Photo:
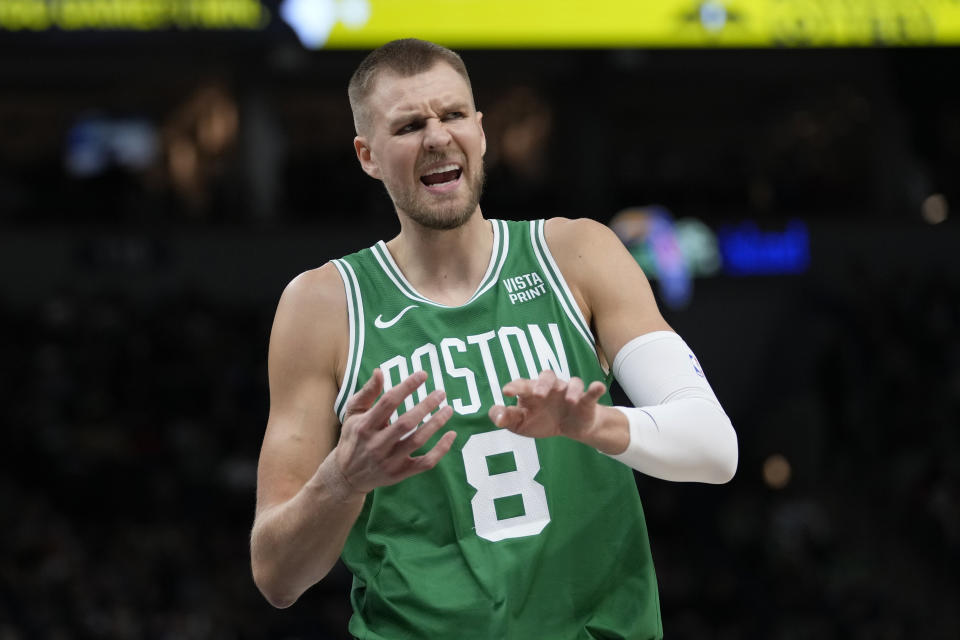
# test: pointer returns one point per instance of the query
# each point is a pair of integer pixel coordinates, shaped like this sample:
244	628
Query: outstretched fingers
392	398
547	398
373	453
507	417
594	392
408	435
574	390
362	400
405	446
421	411
576	395
547	383
518	387
430	459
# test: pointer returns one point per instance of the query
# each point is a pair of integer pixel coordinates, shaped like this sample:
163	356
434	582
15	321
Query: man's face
425	142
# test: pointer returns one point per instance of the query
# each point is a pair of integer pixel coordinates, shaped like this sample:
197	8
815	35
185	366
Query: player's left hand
549	406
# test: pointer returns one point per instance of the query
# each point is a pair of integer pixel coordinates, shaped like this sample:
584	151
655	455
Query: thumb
367	395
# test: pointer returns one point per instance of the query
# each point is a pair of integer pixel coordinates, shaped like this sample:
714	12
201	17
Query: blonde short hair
405	58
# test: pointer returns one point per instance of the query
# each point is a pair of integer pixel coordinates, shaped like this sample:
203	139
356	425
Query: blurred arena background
787	173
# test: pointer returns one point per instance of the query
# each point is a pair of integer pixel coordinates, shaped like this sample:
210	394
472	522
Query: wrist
610	433
330	480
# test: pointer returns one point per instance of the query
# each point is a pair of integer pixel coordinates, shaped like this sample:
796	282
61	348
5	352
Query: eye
455	115
409	128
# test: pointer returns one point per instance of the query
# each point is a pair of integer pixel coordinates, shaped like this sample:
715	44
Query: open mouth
440	176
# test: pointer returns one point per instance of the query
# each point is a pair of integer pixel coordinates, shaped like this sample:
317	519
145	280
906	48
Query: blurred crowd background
157	191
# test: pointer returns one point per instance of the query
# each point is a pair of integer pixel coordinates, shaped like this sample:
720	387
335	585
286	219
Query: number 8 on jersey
494	486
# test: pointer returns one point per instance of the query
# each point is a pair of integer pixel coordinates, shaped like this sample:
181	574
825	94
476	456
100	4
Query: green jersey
507	537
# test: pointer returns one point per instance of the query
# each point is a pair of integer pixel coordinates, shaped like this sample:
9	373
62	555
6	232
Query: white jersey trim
355	348
498	256
553	274
492	275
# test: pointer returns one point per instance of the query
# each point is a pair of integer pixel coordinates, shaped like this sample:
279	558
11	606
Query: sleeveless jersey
507	537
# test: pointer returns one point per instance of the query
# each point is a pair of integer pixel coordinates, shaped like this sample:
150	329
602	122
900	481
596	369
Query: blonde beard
442	217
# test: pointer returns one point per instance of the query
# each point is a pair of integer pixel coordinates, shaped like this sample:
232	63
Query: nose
436	135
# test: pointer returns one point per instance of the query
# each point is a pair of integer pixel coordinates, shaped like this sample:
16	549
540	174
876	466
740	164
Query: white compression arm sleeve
678	430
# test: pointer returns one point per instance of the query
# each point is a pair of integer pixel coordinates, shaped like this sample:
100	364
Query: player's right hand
372	452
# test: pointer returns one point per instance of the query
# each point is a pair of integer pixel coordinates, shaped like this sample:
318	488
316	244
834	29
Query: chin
442	221
443	216
440	216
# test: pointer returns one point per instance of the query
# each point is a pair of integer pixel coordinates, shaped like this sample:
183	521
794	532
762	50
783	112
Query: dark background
136	304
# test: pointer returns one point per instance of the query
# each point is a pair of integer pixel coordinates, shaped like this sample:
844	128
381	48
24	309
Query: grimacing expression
425	141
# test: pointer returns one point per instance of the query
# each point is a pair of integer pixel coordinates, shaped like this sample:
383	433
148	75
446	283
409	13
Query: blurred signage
626	23
747	250
673	252
365	24
669	251
132	15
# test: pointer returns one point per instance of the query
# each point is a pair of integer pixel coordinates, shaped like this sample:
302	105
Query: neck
445	266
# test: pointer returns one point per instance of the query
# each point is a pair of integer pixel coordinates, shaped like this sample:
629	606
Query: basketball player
439	412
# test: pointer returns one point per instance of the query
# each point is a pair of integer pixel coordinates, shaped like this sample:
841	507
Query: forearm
677	430
294	544
698	445
686	440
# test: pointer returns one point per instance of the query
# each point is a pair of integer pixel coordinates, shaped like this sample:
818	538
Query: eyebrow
413	116
417	115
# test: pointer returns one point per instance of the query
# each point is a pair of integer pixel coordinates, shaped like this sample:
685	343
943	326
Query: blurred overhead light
354	13
713	16
935	209
776	471
314	20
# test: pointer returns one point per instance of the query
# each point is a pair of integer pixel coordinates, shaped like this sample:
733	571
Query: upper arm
307	351
610	287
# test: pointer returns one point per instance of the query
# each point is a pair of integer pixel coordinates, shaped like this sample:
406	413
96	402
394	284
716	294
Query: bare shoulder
608	284
560	226
585	248
577	236
315	288
586	251
310	326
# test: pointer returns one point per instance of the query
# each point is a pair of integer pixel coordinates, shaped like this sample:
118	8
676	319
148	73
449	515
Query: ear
365	156
483	136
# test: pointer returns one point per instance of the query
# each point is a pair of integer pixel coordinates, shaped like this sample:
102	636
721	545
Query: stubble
441	216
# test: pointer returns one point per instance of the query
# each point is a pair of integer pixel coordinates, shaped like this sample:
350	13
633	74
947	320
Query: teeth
444	168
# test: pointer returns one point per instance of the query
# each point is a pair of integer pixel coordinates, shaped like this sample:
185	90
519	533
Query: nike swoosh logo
380	323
